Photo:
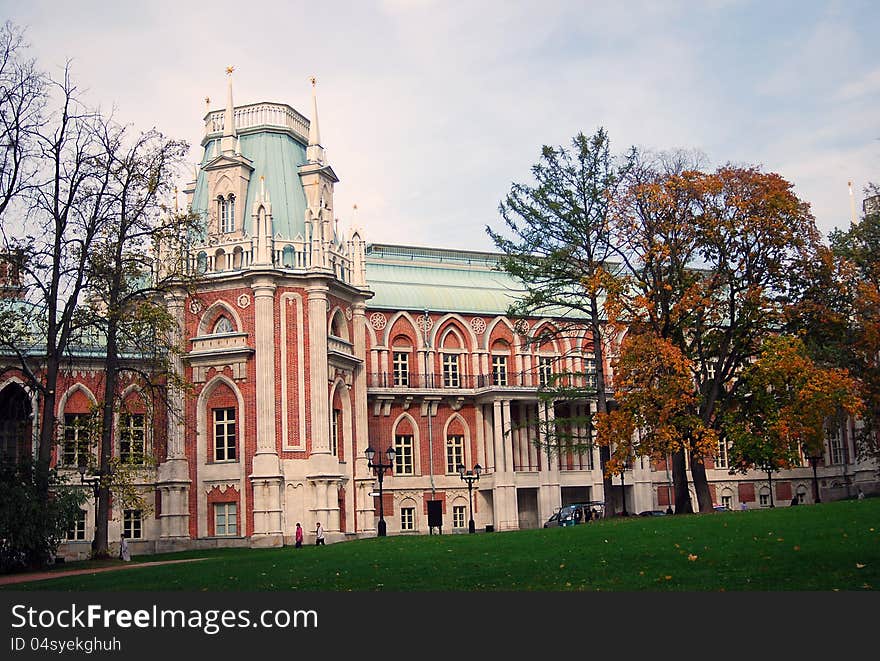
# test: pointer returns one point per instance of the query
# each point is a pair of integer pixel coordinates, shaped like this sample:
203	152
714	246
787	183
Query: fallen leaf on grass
692	557
859	565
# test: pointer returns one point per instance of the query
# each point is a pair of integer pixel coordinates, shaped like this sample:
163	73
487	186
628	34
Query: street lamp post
380	469
470	477
814	458
92	481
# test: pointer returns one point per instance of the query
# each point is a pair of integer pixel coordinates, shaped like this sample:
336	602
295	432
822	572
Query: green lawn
834	546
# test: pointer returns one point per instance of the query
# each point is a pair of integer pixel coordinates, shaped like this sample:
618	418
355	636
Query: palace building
305	347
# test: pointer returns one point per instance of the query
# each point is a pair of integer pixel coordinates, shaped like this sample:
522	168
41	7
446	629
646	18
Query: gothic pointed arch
16	420
212	315
404	319
405	438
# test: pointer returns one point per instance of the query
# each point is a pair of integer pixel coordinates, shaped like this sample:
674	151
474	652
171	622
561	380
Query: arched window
226	213
223	326
15	422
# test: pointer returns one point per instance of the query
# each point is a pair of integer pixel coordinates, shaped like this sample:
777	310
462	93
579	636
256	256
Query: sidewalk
27	577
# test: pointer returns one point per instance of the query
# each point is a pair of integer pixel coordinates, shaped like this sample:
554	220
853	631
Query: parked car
570	515
721	508
652	513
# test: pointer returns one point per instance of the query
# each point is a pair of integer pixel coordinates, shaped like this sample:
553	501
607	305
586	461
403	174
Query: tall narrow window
721	457
836	446
78	532
458	515
334	431
131	437
224	434
403	460
226	212
401	368
545	370
225	519
407	518
590	371
451	377
132	524
499	370
454	452
77	438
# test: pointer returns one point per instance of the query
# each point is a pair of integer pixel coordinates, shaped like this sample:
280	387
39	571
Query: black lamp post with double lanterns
93	481
380	469
470	477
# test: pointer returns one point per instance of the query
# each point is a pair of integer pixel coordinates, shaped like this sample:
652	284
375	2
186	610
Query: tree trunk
601	399
683	503
101	542
701	485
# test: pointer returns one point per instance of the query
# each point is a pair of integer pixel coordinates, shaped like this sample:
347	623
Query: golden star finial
229	70
207	100
313	80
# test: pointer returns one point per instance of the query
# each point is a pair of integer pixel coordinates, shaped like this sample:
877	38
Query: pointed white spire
229	140
229	117
852	204
315	152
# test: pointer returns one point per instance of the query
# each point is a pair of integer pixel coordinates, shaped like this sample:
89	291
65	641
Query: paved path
27	577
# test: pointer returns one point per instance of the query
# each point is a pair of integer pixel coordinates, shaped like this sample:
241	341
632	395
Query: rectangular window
78	532
225	519
450	371
227	214
454	453
545	370
77	441
401	368
131	437
132	524
334	431
458	516
407	518
499	370
764	499
590	371
721	457
836	446
11	438
727	501
403	460
224	434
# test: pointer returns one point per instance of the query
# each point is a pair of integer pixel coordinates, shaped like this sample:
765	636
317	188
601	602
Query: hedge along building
305	347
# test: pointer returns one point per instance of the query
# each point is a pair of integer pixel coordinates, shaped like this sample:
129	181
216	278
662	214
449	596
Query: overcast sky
430	109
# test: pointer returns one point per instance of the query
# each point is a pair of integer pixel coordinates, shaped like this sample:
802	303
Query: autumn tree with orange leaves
656	404
782	406
708	256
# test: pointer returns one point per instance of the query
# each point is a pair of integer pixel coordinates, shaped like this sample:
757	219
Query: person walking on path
298	536
319	535
124	553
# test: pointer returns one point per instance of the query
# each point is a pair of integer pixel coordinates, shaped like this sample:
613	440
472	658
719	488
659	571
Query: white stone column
173	480
266	478
319	430
497	438
479	430
360	474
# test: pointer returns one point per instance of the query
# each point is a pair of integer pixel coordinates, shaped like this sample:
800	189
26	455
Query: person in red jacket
299	536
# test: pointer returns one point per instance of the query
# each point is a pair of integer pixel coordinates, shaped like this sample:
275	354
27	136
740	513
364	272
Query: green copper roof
275	156
408	278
